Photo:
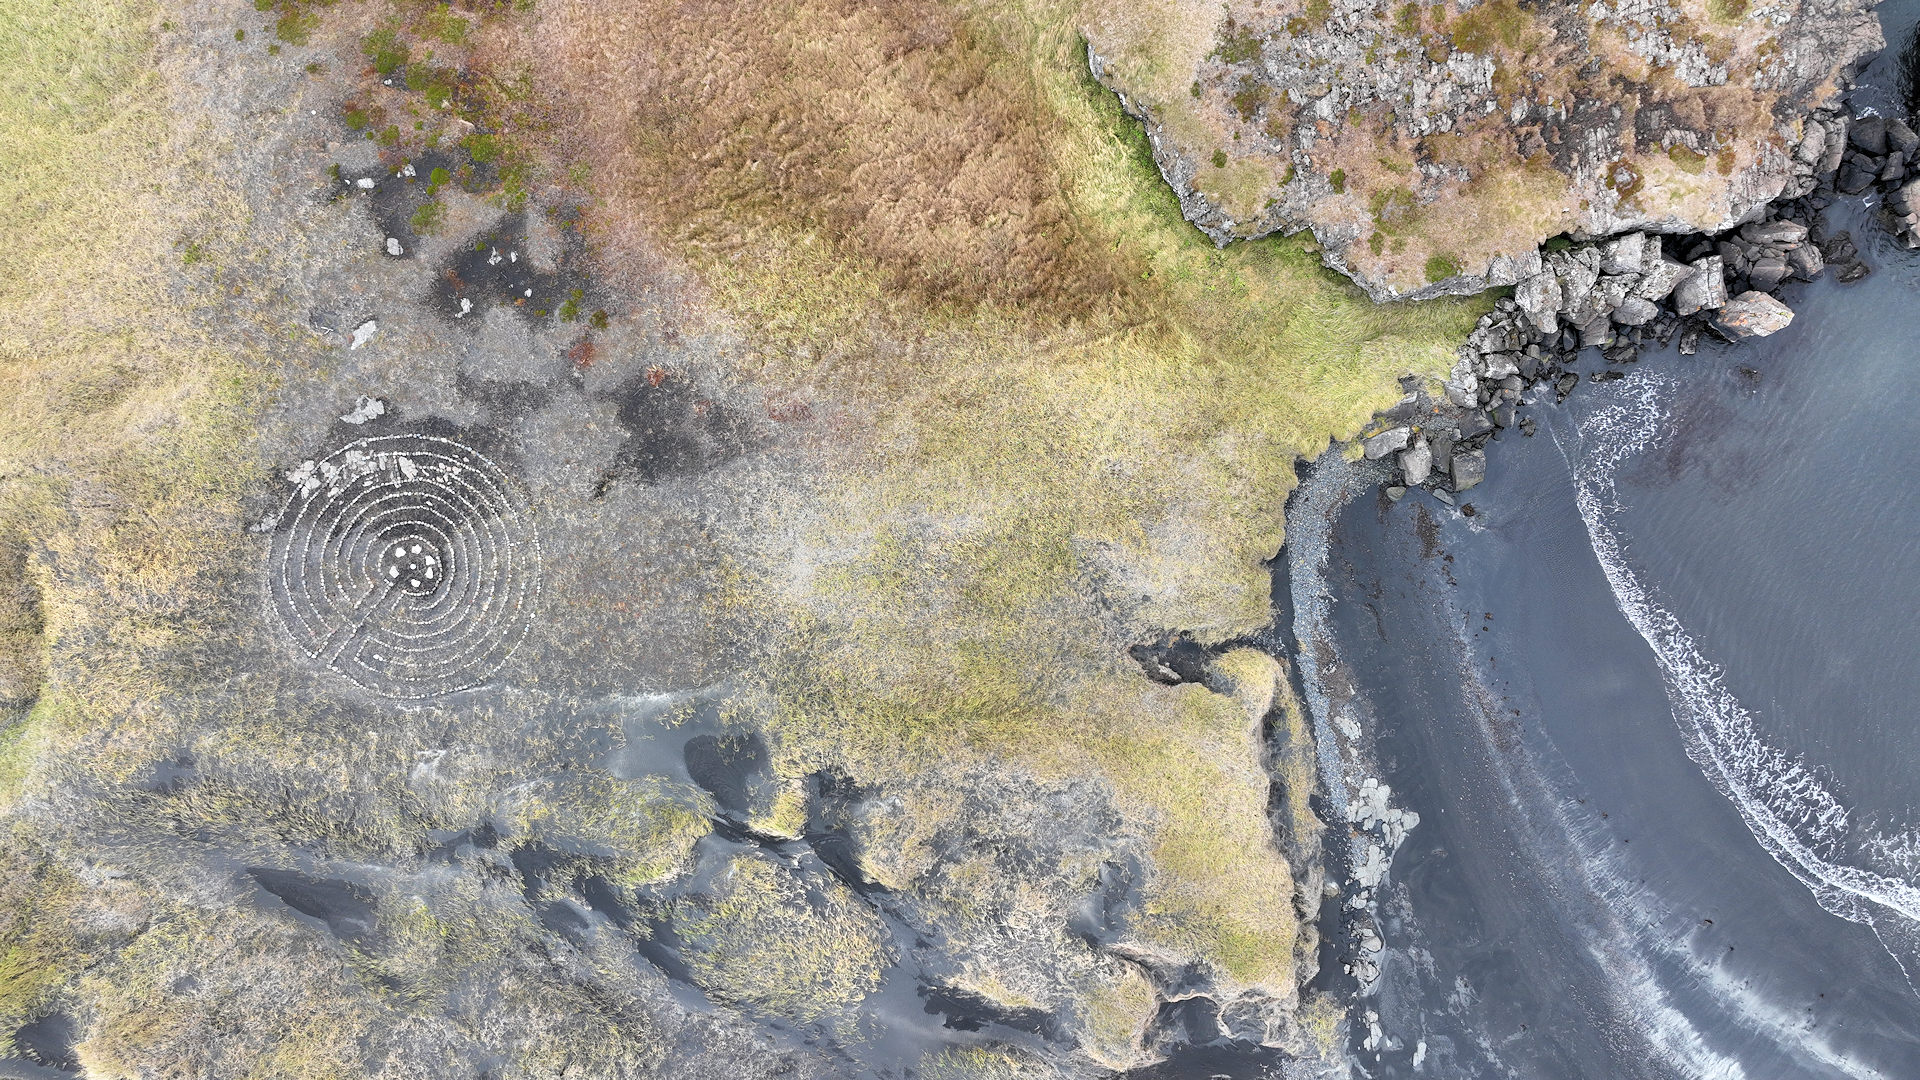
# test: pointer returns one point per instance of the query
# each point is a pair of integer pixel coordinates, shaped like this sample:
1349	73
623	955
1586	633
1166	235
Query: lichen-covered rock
1431	148
1753	314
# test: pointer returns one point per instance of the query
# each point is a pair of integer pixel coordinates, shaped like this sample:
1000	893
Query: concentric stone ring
407	563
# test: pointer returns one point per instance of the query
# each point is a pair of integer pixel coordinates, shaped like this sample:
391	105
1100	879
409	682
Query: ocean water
1657	704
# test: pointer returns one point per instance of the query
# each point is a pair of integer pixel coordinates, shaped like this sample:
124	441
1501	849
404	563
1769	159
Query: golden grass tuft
766	938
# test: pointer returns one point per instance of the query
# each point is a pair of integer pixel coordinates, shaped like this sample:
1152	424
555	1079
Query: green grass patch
428	219
1490	25
1238	45
385	50
765	938
483	148
1686	159
1727	12
1440	267
448	27
1393	208
1249	96
296	25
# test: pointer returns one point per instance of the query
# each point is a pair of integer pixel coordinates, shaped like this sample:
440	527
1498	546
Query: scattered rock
1635	311
1703	289
1869	135
1387	442
1753	314
1469	468
1416	463
364	333
393	247
365	409
1767	273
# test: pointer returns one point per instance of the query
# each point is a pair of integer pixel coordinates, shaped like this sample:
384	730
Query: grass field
1055	421
1072	418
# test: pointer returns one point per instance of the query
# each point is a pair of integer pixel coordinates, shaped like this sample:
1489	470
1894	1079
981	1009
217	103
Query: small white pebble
394	248
365	183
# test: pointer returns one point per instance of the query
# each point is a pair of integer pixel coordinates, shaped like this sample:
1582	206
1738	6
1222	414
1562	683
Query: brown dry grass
899	134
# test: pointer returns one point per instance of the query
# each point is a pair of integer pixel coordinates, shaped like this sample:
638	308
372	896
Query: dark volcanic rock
1469	468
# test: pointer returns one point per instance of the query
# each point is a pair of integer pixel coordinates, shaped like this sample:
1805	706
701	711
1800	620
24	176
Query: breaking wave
1783	801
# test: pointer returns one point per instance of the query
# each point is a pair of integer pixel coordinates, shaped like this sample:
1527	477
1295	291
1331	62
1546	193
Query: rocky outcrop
1431	149
1619	295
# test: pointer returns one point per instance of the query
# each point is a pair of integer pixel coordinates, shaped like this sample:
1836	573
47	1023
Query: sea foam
1784	803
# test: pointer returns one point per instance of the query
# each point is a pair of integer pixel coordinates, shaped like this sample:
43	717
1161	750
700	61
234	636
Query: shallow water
1654	706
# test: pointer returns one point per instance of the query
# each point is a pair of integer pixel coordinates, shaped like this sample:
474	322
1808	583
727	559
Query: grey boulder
1869	135
1753	314
1773	233
1705	288
1469	468
1387	442
1901	138
1633	311
1630	254
1417	463
1806	261
1540	298
1660	279
1768	273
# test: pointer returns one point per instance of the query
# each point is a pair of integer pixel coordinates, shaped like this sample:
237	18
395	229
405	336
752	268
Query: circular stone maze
406	563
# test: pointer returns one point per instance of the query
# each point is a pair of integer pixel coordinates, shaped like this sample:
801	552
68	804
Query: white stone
364	333
394	248
365	409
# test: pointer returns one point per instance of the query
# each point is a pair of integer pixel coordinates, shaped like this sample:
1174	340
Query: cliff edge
1431	149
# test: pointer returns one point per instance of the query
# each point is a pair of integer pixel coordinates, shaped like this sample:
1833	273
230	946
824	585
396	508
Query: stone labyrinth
407	563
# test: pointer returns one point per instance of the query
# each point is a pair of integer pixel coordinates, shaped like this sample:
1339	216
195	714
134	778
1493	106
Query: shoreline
1725	285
